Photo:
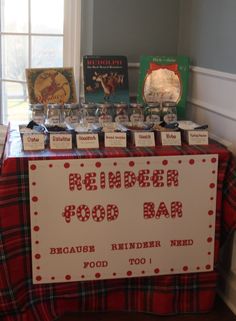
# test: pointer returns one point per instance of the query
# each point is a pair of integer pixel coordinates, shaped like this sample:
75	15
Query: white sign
198	137
170	138
144	139
33	141
115	139
87	141
60	141
122	217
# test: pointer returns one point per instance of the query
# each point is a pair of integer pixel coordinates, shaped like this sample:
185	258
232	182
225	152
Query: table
170	294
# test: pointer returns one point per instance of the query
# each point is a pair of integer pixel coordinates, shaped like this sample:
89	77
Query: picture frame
51	85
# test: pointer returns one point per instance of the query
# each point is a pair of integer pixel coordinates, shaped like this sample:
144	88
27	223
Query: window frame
71	45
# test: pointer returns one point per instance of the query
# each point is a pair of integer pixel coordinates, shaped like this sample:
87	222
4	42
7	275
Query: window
32	35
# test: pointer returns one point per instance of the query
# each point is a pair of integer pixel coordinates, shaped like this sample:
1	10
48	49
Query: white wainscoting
212	100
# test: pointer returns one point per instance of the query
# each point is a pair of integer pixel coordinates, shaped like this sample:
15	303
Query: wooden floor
220	313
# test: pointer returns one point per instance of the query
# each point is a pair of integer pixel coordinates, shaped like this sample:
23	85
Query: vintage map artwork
51	85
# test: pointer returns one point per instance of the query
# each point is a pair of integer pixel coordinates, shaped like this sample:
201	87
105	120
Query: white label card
33	142
60	141
198	137
87	141
144	139
171	138
115	139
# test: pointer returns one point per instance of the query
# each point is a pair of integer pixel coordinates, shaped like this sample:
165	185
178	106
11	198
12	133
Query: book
105	79
51	85
164	78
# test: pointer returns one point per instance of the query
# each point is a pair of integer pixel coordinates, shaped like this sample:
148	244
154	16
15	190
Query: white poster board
124	217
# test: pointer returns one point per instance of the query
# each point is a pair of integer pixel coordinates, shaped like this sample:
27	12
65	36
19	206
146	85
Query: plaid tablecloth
22	301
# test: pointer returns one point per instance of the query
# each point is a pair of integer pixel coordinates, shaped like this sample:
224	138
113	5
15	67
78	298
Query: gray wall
135	27
204	30
207	33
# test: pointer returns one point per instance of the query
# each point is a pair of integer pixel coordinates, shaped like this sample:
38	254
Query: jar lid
136	105
71	106
120	105
88	105
54	106
37	106
169	104
153	104
104	105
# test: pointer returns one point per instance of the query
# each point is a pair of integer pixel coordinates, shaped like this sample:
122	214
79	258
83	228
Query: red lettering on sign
129	178
143	178
172	177
93	264
75	182
97	213
83	217
112	212
181	242
68	212
102	180
114	180
175	210
137	261
157	178
148	210
162	210
90	181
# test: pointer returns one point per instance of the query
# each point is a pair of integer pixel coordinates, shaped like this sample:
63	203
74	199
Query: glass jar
54	114
71	113
88	113
153	112
104	113
37	113
169	112
121	113
136	113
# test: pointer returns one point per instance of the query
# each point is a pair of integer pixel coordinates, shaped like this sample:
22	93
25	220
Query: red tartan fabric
20	300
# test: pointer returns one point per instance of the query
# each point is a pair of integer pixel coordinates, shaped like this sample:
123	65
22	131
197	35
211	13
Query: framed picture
51	85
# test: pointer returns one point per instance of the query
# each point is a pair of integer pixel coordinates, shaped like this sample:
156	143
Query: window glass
14	56
47	51
47	16
14	16
15	101
31	36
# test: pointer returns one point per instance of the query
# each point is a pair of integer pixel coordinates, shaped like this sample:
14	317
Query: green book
164	78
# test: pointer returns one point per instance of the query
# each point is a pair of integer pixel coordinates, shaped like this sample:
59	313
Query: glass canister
153	112
104	113
169	112
88	113
54	114
136	112
71	113
37	113
121	113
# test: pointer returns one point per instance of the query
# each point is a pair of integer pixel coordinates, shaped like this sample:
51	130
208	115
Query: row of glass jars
54	114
